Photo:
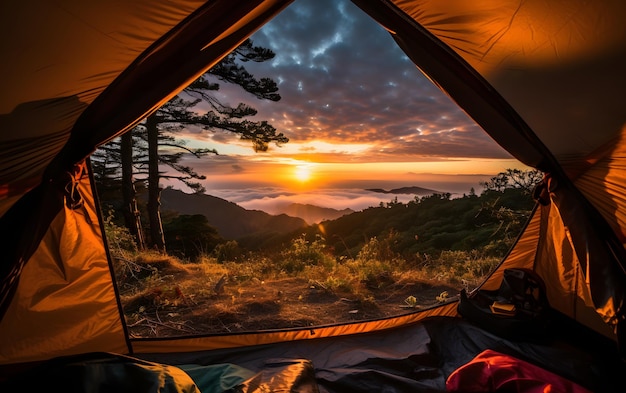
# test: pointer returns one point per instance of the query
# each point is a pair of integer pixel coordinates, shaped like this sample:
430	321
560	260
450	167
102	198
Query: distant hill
231	220
310	213
433	224
414	190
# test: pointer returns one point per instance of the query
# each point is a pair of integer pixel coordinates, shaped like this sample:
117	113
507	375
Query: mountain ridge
231	220
416	190
312	214
234	222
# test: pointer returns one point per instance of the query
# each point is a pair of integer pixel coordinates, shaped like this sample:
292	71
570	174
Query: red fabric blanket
492	371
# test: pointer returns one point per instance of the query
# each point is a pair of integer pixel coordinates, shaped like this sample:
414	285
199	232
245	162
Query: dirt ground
178	306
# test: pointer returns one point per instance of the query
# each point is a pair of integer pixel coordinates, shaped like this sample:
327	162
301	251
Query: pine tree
154	144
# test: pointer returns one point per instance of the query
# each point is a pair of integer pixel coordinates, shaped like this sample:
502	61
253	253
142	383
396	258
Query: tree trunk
132	217
154	190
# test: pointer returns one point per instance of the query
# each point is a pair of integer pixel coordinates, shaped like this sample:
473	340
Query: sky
357	112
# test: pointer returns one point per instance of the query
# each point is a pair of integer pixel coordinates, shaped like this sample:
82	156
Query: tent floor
415	358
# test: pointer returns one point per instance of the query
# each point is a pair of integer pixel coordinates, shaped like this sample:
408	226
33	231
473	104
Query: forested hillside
428	225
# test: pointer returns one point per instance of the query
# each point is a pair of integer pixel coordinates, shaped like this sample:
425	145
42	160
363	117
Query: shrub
373	273
380	249
121	242
302	253
228	251
189	236
463	267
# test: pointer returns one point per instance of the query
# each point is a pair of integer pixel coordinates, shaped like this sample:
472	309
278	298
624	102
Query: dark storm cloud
220	136
343	79
217	164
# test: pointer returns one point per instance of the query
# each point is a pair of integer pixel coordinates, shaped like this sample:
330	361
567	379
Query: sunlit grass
309	261
299	286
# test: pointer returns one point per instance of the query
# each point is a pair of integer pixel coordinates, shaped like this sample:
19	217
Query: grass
303	285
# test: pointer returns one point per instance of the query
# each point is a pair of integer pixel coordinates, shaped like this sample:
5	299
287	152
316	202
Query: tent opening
290	217
313	177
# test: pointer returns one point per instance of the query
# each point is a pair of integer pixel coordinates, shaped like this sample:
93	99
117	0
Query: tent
545	79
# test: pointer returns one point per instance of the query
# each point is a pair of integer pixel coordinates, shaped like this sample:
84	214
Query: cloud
343	79
245	195
271	199
237	168
349	95
355	199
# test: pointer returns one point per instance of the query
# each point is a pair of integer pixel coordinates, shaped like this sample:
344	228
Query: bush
372	272
380	250
302	253
228	251
190	236
465	267
121	242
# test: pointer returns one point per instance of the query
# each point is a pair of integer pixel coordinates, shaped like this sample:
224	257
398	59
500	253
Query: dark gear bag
524	292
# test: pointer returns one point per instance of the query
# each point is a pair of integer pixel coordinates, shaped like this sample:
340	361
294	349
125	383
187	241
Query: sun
302	173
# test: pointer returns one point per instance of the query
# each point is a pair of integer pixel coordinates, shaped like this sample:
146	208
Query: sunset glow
354	122
303	173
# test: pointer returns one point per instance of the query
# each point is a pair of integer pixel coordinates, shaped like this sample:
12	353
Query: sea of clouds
271	199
